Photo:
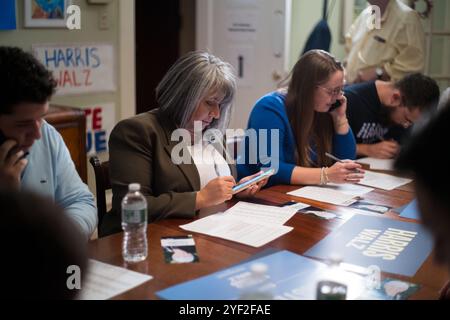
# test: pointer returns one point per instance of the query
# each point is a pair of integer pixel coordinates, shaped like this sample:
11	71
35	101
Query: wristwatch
379	72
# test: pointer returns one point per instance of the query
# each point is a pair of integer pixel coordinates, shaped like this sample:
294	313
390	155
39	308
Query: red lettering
97	119
66	79
58	79
87	73
75	82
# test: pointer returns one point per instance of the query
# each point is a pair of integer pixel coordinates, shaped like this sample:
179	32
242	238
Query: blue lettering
88	141
86	52
79	60
100	141
95	57
61	58
69	56
48	58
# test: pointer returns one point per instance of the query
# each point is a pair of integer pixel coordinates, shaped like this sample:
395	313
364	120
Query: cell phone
242	186
13	150
331	290
335	105
289	203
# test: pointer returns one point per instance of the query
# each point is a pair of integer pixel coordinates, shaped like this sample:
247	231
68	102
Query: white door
252	35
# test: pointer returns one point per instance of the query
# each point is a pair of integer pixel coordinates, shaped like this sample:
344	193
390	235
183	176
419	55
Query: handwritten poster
79	68
394	246
100	120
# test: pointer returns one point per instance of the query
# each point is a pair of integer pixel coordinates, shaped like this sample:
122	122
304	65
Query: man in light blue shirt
33	155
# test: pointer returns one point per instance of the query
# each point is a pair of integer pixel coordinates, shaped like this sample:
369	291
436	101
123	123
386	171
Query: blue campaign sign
394	246
289	276
7	15
227	284
411	211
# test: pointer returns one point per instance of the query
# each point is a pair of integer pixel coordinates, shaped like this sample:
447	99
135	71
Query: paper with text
349	188
383	181
378	164
324	195
233	228
104	281
263	214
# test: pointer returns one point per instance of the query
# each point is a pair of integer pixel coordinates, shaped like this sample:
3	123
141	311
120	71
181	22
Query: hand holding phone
335	105
13	150
11	164
247	184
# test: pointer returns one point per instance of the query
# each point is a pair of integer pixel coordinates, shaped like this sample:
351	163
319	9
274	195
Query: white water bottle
134	225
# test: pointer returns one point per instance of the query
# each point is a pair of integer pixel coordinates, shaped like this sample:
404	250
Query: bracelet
324	176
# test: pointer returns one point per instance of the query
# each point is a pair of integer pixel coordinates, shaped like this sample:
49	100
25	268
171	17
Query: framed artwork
46	13
350	10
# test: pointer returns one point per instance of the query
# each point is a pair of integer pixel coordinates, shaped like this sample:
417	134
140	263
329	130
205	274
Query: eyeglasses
333	92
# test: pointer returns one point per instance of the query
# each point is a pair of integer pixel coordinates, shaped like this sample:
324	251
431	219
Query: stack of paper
378	164
247	223
382	181
324	195
104	281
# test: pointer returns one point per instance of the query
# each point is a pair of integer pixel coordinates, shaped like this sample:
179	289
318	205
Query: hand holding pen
344	171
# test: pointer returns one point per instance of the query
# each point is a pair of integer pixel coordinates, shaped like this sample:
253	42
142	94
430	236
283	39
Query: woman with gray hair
178	177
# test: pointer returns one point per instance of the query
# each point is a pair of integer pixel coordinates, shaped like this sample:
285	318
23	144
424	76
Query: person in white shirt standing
387	50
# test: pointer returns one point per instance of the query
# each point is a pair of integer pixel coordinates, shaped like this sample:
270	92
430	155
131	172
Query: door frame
127	58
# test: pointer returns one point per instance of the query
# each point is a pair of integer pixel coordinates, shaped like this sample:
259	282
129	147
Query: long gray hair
190	80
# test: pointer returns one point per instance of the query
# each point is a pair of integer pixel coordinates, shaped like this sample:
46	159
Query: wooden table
216	254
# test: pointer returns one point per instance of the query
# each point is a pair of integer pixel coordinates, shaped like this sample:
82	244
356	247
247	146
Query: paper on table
349	188
260	213
235	229
383	181
104	281
378	164
324	195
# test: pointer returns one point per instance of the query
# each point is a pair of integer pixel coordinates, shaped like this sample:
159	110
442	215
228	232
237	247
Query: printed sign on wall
79	68
100	120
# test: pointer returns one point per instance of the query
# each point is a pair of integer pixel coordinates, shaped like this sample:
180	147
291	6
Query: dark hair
314	68
39	242
418	91
23	79
418	157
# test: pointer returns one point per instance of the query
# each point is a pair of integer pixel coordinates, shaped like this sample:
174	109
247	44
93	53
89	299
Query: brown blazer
139	151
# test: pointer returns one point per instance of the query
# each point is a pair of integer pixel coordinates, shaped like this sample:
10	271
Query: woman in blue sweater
294	128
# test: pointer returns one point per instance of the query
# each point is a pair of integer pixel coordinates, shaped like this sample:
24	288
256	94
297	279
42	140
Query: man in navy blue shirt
380	113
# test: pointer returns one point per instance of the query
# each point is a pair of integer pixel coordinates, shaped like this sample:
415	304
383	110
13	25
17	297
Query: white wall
305	15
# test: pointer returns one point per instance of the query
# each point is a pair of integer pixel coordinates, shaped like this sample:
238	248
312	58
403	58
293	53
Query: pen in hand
216	166
329	155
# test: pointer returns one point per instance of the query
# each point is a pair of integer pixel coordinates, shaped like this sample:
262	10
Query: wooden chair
102	183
